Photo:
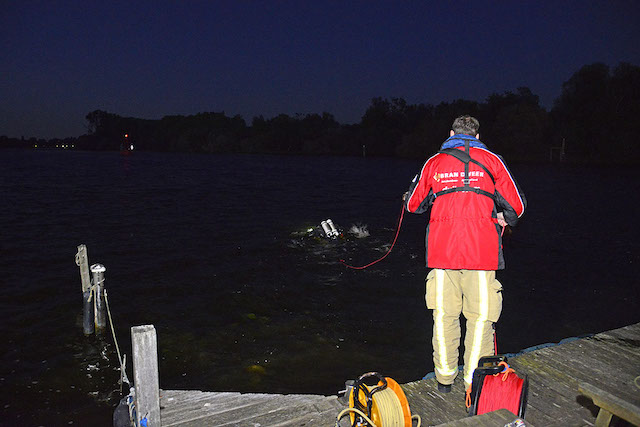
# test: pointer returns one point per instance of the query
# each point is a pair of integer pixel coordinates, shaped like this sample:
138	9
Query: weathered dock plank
432	406
609	361
196	408
492	419
553	393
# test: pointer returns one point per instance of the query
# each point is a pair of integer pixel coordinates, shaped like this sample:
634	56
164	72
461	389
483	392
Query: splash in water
359	230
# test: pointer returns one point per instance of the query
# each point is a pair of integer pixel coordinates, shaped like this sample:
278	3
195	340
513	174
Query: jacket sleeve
509	197
420	194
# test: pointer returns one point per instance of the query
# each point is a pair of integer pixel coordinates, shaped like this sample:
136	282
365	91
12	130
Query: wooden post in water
560	150
97	270
82	261
145	374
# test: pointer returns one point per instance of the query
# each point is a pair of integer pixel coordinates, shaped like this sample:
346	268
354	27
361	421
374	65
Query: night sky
59	60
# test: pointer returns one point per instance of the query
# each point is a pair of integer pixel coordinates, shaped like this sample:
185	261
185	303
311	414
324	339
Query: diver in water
328	230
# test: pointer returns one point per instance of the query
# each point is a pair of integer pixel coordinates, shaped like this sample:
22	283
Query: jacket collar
458	140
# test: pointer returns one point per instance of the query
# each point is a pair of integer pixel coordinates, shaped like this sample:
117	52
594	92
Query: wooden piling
87	314
145	374
560	150
82	261
99	306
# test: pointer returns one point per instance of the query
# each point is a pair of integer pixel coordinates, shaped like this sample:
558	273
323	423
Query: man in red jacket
471	196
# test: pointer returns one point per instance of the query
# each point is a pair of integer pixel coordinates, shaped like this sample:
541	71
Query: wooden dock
609	362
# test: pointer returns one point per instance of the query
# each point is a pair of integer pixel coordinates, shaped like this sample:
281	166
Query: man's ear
451	132
477	136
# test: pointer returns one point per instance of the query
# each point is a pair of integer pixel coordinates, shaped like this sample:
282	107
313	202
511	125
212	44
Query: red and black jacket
464	187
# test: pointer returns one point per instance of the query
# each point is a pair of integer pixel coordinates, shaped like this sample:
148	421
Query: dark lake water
208	249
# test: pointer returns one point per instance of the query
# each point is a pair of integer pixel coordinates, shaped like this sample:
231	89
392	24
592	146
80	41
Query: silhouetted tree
625	101
583	113
517	126
596	114
383	125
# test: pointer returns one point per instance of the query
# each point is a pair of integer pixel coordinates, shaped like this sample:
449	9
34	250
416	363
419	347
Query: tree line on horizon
593	120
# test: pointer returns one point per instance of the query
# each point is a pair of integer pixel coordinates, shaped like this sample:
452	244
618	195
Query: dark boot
444	388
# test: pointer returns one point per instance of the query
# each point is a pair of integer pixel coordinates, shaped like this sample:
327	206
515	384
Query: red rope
388	252
500	391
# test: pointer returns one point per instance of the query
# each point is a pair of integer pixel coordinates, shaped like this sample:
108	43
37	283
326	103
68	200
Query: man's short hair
466	124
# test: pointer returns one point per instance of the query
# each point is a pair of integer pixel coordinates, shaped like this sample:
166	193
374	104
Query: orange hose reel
384	402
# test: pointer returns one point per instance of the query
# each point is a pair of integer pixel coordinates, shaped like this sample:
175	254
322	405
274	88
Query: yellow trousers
478	296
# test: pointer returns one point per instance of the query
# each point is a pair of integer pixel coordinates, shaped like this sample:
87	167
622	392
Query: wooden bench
610	405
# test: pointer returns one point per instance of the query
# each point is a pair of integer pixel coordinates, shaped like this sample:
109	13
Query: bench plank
611	404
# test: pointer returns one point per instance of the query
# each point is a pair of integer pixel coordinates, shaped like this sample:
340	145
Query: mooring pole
87	313
145	374
82	261
97	270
